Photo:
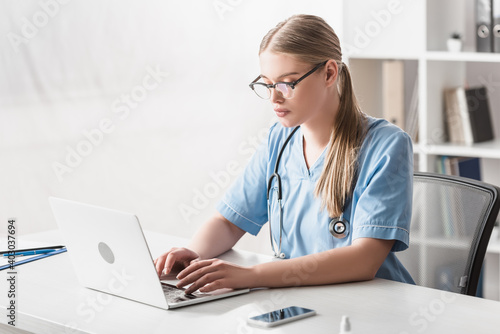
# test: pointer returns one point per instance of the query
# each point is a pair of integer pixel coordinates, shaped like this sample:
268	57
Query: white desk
50	300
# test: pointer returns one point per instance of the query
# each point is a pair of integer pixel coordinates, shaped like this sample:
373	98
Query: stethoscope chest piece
339	227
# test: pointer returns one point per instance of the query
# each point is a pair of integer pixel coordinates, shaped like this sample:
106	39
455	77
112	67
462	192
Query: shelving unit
428	64
463	56
490	149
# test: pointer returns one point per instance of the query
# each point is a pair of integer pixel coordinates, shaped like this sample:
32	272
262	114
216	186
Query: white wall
384	27
66	71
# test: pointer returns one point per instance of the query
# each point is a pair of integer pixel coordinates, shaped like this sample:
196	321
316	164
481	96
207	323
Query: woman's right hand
181	257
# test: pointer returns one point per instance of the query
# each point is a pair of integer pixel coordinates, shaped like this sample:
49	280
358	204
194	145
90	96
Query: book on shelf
411	126
487	25
454	127
393	92
479	114
461	166
393	98
484	26
467	115
496	25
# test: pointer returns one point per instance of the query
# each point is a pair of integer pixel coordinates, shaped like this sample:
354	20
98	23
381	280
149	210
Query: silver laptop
110	254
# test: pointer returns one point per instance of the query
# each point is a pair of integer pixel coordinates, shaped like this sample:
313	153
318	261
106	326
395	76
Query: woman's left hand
213	274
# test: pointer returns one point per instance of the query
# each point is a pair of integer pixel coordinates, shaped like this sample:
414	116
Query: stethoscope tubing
276	166
277	176
338	227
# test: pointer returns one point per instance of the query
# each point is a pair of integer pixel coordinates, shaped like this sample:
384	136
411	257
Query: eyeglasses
286	89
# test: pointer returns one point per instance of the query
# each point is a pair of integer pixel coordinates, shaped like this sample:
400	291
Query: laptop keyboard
174	294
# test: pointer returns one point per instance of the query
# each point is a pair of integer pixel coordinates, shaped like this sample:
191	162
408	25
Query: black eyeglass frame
290	84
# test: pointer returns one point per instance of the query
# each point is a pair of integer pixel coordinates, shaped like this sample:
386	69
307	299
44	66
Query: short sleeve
245	203
384	190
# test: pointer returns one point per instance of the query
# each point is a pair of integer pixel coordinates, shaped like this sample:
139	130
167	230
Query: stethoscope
338	226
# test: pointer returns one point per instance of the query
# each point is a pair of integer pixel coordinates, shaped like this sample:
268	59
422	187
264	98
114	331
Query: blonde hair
310	39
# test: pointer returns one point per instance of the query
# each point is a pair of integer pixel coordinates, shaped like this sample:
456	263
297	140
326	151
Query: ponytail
338	178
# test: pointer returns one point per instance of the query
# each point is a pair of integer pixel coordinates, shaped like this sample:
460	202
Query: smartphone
280	316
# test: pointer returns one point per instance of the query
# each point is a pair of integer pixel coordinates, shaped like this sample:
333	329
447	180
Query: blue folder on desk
31	259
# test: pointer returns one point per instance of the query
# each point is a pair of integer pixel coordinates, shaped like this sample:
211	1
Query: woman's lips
281	112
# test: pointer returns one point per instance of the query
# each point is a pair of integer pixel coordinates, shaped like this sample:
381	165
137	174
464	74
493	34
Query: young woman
345	179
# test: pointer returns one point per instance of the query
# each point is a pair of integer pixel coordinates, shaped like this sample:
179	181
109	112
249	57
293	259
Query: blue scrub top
380	206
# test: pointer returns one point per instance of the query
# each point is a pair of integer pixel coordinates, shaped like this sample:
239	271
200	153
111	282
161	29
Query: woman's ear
332	71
